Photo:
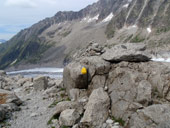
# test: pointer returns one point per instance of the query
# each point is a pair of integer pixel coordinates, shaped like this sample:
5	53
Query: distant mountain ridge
53	41
29	45
2	41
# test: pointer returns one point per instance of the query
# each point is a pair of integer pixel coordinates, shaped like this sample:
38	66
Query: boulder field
125	88
122	88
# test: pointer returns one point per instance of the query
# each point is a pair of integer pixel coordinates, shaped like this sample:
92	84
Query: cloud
20	3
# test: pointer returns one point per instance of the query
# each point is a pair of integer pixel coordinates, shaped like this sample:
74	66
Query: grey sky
19	14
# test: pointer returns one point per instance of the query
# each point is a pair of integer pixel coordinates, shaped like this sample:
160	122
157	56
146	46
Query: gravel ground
34	113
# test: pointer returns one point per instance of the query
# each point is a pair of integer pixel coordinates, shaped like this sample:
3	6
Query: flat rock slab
127	52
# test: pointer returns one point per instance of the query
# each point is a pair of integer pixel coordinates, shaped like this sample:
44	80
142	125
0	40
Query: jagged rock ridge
30	45
53	41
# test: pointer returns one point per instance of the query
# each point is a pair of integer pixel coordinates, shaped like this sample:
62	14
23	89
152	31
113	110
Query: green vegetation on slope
25	46
137	39
29	50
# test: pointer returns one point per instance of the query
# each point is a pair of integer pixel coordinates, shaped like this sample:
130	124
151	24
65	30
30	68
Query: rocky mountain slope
53	41
143	21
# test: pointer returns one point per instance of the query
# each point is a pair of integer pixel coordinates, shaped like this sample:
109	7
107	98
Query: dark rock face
2	113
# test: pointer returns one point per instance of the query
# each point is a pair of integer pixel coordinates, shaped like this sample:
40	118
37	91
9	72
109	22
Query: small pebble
109	121
83	100
116	124
105	88
33	115
104	125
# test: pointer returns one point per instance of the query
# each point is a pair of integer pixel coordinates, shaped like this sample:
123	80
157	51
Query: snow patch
126	5
93	19
14	62
133	26
108	18
161	59
90	19
51	70
149	30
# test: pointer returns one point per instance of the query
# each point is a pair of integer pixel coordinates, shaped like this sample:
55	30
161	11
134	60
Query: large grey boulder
129	88
127	52
69	117
151	117
122	90
73	78
97	109
40	83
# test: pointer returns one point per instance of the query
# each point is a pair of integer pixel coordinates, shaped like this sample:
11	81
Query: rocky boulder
151	117
127	52
68	105
9	97
97	109
2	113
93	49
40	83
9	102
22	81
69	117
73	78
